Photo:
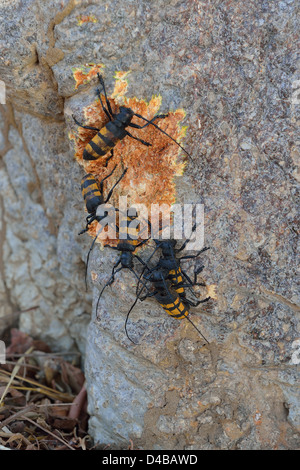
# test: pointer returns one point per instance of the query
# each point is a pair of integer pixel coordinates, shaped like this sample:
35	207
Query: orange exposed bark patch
85	73
120	85
151	170
86	19
257	418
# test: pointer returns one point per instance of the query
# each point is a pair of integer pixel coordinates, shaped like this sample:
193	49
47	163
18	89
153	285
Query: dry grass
42	398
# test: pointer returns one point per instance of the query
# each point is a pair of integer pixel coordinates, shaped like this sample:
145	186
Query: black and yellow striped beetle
167	278
170	265
93	195
128	243
116	129
167	297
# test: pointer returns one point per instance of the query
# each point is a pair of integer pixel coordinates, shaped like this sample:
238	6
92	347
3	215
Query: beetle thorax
124	116
126	259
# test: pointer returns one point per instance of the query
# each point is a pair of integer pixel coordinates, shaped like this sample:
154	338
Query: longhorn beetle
93	195
127	248
169	264
115	130
166	296
168	270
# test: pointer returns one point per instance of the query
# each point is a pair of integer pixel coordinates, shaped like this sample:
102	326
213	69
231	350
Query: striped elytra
91	193
104	141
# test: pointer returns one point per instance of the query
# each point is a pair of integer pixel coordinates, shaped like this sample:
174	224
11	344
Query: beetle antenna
197	329
164	132
88	256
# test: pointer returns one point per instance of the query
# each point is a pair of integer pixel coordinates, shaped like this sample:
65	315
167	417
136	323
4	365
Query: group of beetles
167	281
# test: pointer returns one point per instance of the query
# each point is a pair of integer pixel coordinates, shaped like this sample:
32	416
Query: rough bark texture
232	67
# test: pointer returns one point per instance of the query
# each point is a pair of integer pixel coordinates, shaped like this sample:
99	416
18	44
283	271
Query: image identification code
149	459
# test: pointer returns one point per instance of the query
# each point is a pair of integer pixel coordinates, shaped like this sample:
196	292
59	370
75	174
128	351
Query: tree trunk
231	66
